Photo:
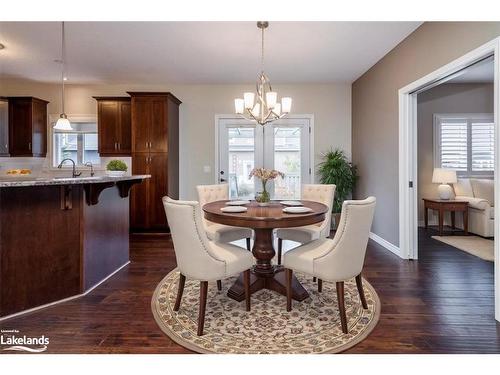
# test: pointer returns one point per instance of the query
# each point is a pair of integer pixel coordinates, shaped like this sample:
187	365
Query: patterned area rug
313	326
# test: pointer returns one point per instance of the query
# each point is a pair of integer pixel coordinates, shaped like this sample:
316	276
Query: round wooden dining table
263	219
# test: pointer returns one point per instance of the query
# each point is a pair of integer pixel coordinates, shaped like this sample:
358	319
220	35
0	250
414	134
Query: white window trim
50	146
437	119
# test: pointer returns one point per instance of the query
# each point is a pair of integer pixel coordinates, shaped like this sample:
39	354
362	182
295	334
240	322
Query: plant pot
335	220
115	173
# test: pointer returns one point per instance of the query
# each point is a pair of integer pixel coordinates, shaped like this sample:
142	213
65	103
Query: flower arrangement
264	175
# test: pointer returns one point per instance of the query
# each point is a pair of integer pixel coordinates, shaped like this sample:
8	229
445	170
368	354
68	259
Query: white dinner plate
291	203
237	203
297	210
234	209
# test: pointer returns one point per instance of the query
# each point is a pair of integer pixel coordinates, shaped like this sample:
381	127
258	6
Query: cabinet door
125	142
4	128
20	127
139	194
159	126
141	123
39	129
107	119
158	188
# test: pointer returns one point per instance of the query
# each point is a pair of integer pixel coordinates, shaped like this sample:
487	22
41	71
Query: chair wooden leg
289	274
359	284
314	279
248	244
219	285
340	298
246	284
180	290
203	305
280	247
320	285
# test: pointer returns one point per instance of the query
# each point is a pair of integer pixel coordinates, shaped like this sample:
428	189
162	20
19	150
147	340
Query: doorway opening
465	158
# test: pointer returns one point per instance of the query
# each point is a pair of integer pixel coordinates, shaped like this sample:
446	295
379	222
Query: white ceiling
197	52
481	72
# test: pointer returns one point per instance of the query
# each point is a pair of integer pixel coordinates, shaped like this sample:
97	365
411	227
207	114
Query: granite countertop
44	181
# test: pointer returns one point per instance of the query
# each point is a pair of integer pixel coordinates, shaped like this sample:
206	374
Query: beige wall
375	108
447	98
329	103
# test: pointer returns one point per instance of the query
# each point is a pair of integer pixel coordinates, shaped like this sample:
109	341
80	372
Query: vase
263	198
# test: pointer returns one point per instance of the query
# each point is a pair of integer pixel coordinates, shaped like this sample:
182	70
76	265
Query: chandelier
262	106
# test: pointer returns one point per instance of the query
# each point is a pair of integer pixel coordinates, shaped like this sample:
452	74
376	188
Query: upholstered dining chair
200	259
338	259
219	232
310	192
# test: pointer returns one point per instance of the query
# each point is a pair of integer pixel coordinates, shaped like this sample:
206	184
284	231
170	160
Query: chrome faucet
89	164
74	167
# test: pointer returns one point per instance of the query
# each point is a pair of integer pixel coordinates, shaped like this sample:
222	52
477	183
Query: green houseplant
336	169
116	168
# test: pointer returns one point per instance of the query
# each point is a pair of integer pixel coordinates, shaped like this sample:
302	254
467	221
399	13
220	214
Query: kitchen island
60	237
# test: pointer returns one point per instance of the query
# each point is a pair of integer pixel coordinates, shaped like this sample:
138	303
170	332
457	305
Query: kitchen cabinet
27	126
4	127
146	202
155	151
114	126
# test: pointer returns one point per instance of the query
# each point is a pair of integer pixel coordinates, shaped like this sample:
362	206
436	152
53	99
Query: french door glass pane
241	142
287	159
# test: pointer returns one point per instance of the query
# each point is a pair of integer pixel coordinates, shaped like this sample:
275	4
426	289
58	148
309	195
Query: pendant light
63	122
262	106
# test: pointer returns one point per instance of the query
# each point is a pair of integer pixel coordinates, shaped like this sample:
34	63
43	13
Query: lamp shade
62	124
444	176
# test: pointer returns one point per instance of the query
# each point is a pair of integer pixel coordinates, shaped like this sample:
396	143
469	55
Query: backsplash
43	166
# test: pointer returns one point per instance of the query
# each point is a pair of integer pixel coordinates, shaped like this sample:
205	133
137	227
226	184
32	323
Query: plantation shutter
454	138
482	146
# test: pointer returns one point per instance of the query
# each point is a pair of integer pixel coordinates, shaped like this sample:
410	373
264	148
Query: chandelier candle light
63	122
266	108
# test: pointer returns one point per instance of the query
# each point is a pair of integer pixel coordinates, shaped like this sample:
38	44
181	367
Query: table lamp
444	177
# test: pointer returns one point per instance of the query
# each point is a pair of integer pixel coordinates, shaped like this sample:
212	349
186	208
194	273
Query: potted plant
264	175
336	169
116	168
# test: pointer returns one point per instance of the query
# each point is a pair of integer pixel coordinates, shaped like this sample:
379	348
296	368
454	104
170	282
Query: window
79	144
465	143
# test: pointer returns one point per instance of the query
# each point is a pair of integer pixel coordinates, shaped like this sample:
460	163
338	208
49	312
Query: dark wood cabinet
114	125
155	151
4	127
27	126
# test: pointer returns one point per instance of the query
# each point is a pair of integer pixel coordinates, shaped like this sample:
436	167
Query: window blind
454	144
482	146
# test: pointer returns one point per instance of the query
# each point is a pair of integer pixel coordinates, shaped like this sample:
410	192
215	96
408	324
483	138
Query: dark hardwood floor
442	303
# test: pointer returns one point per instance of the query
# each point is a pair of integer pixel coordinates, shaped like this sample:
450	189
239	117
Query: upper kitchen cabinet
154	116
4	127
27	126
114	125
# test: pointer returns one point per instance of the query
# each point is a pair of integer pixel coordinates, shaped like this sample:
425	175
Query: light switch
206	168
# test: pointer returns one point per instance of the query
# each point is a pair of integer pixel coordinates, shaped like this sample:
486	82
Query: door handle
222	180
115	146
119	147
29	146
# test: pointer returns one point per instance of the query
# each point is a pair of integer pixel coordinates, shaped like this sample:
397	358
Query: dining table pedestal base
274	281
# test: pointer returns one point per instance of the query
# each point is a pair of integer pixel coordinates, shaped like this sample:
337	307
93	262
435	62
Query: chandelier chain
262	53
63	62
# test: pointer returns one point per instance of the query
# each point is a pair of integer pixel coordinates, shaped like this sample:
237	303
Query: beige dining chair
338	259
310	192
200	259
219	232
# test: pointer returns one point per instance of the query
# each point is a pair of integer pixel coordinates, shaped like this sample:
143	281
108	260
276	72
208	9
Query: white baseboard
386	244
65	299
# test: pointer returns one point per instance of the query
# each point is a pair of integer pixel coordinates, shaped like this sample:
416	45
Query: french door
283	145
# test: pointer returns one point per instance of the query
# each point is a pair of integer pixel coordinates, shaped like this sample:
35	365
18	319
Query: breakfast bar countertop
47	181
